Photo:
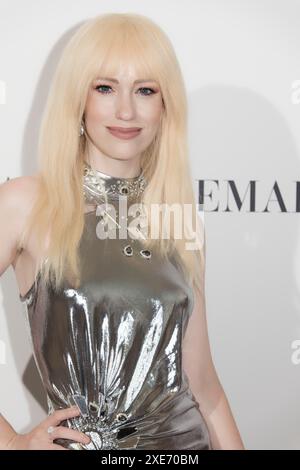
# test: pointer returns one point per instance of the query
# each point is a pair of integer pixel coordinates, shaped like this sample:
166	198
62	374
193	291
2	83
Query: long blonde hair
99	45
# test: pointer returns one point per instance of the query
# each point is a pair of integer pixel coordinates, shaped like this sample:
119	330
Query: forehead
118	71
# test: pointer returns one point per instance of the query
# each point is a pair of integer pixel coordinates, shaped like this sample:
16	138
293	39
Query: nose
125	106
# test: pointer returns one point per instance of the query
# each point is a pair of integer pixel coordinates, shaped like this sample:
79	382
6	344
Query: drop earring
81	132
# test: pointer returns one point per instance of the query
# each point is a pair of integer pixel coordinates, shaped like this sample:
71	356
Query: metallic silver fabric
113	347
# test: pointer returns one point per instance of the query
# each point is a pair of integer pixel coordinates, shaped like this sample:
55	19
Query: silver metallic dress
113	345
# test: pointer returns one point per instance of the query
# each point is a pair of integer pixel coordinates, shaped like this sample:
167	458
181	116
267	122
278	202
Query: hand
40	439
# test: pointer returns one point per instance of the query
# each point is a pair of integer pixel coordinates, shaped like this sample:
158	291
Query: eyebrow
109	79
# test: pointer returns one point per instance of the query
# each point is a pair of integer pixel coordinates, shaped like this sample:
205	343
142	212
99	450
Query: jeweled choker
98	186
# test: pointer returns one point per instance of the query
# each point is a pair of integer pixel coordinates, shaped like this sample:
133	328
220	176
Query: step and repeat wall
240	61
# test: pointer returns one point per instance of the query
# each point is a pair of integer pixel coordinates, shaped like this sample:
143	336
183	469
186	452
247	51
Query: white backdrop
240	61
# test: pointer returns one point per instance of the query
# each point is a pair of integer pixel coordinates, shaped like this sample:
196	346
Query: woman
117	323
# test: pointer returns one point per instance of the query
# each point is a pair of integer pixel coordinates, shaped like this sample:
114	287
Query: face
125	101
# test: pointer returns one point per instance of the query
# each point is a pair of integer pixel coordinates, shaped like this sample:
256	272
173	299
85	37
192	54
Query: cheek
152	113
96	109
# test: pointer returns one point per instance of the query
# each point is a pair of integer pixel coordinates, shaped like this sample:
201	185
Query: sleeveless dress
113	345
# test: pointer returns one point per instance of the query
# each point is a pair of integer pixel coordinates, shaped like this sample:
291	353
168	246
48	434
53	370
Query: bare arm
7	433
15	202
10	227
204	382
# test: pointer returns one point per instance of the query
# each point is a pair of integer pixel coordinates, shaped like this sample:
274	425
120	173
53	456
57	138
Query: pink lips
124	133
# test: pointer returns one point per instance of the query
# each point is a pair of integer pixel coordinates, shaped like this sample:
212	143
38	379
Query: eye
148	94
105	92
102	86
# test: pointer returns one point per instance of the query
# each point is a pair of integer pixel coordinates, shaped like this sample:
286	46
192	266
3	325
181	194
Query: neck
114	168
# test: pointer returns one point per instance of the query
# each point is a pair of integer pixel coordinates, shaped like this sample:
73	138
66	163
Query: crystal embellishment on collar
99	186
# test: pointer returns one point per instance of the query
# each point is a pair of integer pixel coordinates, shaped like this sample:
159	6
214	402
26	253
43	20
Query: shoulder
19	193
17	196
